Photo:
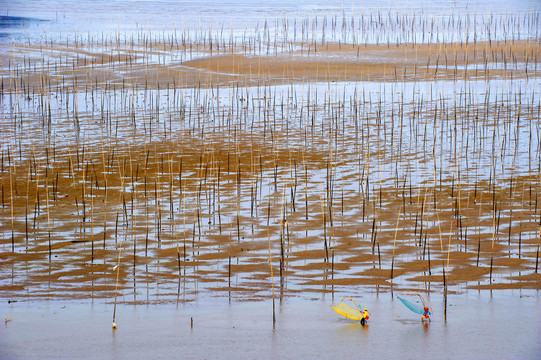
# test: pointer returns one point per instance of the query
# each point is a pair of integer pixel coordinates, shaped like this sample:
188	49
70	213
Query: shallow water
66	18
479	326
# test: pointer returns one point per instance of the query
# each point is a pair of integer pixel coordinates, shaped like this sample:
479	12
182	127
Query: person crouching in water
425	316
365	318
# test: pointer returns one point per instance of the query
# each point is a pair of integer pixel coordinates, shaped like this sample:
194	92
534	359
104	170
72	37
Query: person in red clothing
425	316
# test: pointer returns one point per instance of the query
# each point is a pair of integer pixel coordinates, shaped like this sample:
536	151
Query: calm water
65	18
479	326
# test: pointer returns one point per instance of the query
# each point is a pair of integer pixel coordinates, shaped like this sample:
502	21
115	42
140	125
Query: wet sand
163	66
203	245
199	196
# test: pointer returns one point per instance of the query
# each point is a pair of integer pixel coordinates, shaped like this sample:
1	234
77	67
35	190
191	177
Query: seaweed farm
307	156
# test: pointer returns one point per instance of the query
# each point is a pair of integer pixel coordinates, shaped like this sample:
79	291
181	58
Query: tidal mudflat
307	157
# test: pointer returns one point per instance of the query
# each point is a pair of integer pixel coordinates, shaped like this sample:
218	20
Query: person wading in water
365	318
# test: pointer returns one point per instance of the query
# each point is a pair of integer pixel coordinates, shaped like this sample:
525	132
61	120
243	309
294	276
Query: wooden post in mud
428	250
104	195
537	254
229	269
117	267
394	241
282	228
478	250
444	301
493	238
92	217
379	257
519	241
324	215
48	216
175	233
272	280
26	206
11	205
238	198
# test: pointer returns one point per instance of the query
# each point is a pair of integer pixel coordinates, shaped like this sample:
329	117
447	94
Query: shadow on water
410	321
